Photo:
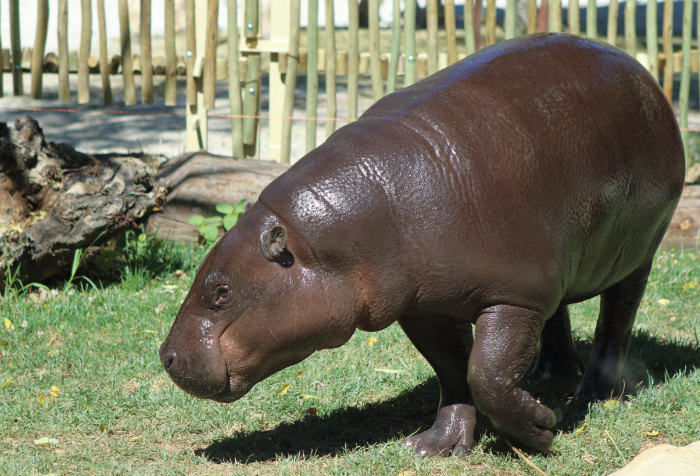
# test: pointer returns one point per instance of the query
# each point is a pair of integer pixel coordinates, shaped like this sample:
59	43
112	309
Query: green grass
342	411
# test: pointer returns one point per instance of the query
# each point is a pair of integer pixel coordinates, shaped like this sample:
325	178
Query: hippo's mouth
233	391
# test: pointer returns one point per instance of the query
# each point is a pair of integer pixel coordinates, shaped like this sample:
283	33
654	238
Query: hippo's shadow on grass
414	411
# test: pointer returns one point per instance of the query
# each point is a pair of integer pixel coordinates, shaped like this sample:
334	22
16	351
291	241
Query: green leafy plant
208	228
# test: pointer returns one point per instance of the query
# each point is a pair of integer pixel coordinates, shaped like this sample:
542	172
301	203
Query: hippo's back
546	159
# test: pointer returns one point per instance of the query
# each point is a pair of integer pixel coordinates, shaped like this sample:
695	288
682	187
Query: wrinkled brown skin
536	173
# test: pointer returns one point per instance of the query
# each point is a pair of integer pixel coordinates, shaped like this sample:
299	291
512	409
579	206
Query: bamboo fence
385	61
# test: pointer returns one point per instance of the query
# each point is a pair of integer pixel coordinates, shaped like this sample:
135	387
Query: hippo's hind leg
618	309
505	342
446	345
558	357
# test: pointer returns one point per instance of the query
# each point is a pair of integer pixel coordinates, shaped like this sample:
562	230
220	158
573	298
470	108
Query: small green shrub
208	228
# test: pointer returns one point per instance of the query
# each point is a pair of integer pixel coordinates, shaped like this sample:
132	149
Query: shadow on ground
650	360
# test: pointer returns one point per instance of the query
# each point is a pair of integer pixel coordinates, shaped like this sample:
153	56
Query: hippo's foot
530	423
451	434
602	379
564	366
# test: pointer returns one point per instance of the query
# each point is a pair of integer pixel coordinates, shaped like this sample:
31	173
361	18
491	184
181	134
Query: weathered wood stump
55	200
197	182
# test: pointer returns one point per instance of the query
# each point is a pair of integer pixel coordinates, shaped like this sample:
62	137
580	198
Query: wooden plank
84	55
63	55
16	47
511	17
685	75
410	39
146	55
667	34
575	17
190	40
170	57
469	42
290	81
653	38
212	36
42	24
531	16
331	108
631	27
555	16
395	42
250	22
432	22
312	74
353	57
491	22
251	99
375	64
104	65
234	79
451	30
127	65
613	12
592	19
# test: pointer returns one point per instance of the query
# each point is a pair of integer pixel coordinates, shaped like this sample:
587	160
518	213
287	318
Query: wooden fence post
631	27
667	35
146	55
170	57
104	65
685	74
127	65
592	19
63	64
16	49
331	109
83	67
395	43
312	74
279	34
42	23
612	21
234	80
410	38
290	81
653	39
196	122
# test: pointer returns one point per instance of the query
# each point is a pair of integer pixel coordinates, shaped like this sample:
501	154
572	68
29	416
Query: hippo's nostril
168	358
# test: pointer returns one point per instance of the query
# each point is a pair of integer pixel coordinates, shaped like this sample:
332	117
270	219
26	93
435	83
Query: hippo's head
259	303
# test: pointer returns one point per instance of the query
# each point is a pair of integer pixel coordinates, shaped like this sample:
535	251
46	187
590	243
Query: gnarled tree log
54	200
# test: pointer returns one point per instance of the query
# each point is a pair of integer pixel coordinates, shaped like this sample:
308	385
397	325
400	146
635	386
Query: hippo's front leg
505	341
446	345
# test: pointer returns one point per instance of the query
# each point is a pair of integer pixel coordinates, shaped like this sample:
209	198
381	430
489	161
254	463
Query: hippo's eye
222	295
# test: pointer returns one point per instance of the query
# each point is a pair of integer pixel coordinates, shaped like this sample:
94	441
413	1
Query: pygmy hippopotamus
471	207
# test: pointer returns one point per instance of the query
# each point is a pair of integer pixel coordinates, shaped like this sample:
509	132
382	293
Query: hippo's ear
273	241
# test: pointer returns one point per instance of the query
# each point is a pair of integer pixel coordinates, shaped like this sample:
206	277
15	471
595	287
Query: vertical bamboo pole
291	80
574	17
251	100
531	16
279	33
250	20
685	73
353	57
84	56
511	17
146	55
410	39
631	27
190	39
63	64
653	38
490	22
555	15
592	19
42	24
234	77
667	33
209	72
432	19
375	62
331	111
171	59
613	12
395	40
312	74
543	17
16	47
469	42
104	65
196	125
476	21
451	30
127	65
